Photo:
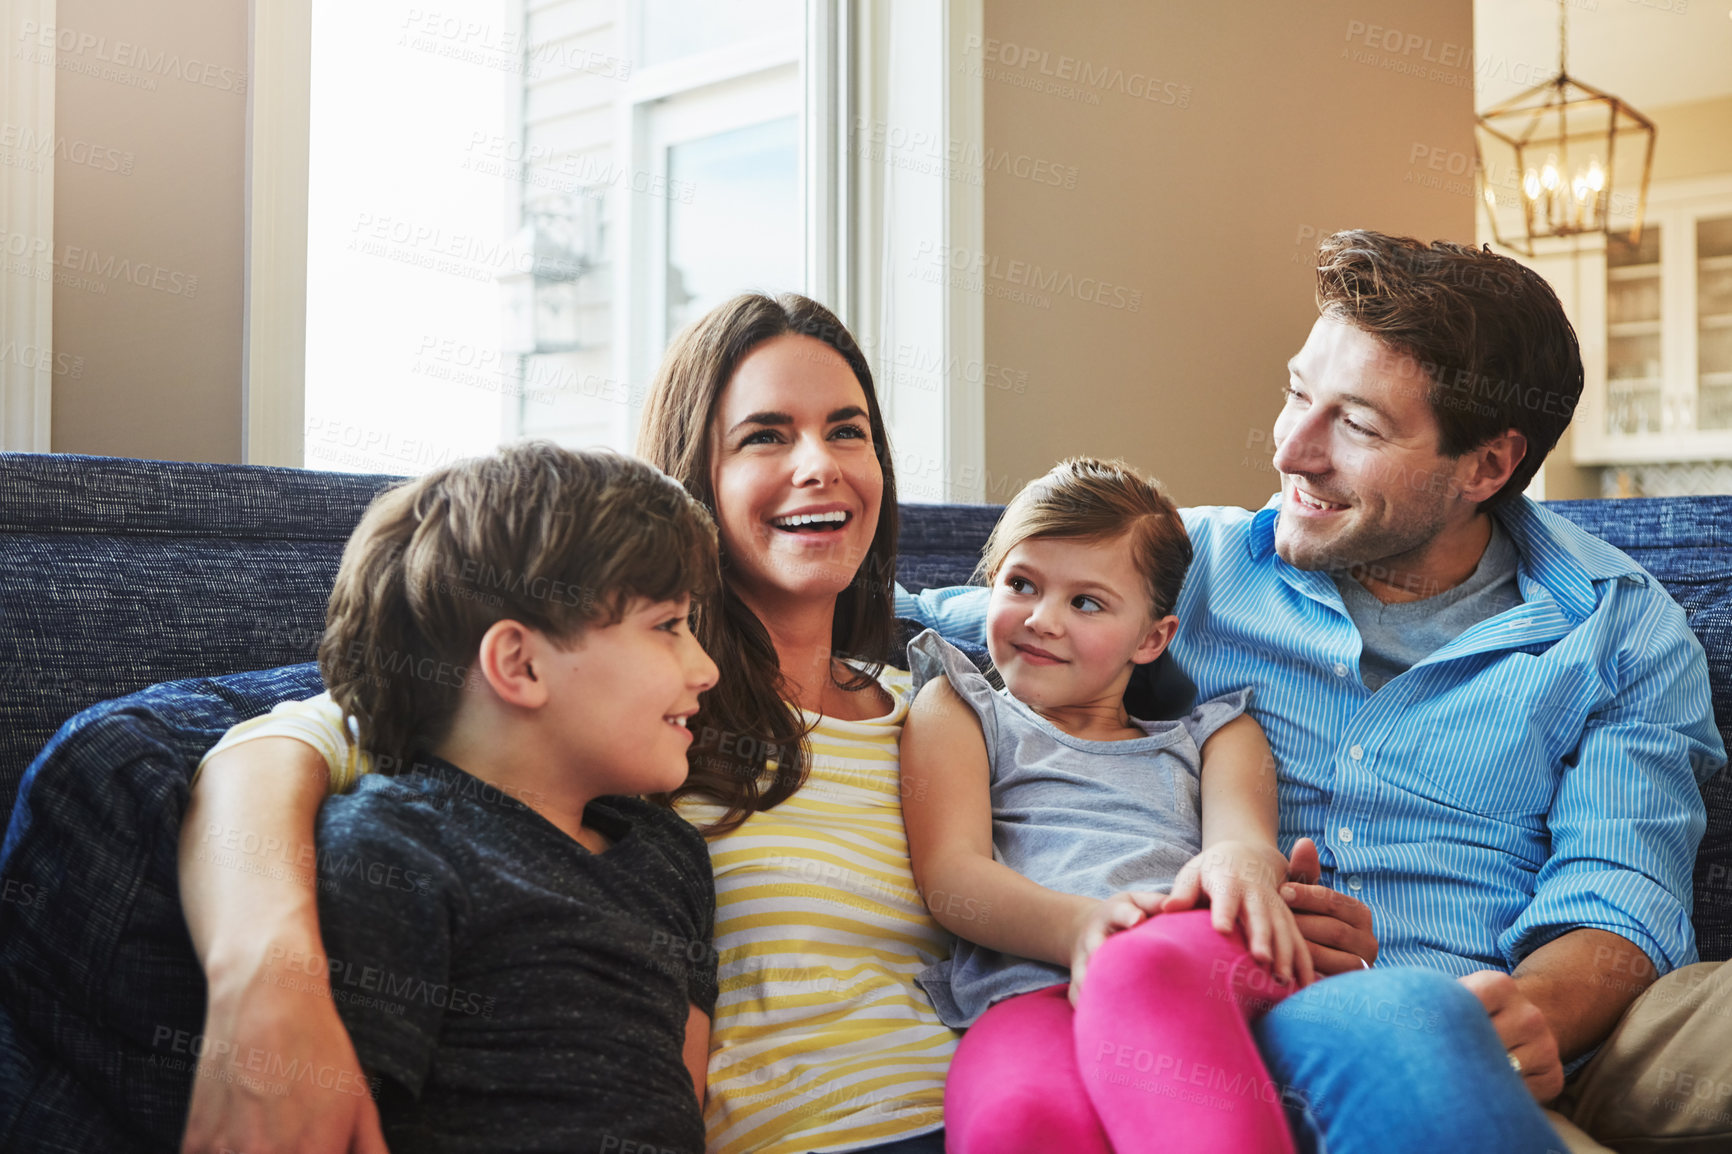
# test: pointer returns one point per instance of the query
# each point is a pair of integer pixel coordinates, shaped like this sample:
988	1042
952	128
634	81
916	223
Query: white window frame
274	308
27	212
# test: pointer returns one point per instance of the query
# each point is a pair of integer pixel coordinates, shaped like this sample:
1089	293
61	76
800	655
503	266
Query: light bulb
1531	185
1549	174
1596	175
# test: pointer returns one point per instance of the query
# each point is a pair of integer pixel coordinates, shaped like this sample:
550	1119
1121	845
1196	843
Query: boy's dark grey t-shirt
511	990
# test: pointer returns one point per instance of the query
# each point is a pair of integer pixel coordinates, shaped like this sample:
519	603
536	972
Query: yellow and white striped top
821	1039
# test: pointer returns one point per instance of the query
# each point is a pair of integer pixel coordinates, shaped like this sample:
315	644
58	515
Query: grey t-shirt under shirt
1082	817
1400	635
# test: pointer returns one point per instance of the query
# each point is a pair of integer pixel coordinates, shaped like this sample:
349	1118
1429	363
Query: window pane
674	28
404	243
1714	321
742	227
1633	369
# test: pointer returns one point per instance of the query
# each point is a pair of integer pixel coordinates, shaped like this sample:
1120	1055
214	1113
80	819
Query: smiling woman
765	410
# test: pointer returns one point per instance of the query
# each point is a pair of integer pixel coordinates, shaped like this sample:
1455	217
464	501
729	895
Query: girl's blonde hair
1087	499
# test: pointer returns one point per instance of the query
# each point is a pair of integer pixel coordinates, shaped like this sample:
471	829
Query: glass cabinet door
1633	366
1714	322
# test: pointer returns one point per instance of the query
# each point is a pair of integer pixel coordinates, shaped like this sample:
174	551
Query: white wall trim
27	222
965	224
918	143
274	312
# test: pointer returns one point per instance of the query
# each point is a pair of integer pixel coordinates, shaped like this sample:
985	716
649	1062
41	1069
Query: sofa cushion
117	574
1686	542
103	994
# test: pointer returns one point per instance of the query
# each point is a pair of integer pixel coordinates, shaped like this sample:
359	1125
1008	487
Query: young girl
1029	808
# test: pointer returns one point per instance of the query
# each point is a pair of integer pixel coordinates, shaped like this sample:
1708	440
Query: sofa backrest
116	574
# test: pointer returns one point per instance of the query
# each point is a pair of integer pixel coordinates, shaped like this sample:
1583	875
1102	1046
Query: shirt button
1346	834
1353	882
1340	669
1356	752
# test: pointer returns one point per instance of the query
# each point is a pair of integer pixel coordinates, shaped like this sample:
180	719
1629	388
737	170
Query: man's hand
1523	1030
1119	912
1336	927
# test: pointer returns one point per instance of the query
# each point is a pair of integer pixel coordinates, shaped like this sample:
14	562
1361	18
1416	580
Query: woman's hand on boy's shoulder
1106	918
247	1095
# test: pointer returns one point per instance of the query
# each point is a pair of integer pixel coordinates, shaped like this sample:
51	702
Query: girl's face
1068	619
797	484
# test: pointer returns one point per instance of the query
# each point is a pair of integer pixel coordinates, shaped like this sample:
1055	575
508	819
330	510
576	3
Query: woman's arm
247	885
947	809
1241	868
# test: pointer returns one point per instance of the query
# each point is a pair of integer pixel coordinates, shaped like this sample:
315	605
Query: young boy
517	943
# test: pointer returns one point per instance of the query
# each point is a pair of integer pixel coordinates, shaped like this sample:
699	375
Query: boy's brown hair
555	539
1087	499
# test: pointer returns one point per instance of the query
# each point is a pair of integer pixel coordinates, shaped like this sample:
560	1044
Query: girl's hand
1119	912
1242	882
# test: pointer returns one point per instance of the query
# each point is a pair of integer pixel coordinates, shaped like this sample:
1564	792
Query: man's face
1363	486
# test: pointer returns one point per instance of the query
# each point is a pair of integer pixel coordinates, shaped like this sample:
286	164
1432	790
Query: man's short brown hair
1487	337
555	539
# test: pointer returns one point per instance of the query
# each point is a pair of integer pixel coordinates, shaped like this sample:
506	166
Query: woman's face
797	484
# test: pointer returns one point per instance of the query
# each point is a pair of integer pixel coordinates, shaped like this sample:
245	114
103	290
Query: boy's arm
247	889
947	808
697	1049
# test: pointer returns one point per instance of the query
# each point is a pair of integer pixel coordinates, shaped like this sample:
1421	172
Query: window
513	207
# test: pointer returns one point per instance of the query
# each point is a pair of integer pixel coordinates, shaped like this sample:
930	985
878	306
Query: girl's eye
1086	603
852	432
675	624
762	437
1017	584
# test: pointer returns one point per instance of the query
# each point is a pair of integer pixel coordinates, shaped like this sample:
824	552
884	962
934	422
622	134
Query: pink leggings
1157	1056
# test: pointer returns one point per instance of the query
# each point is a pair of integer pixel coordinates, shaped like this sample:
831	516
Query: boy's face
620	698
1068	619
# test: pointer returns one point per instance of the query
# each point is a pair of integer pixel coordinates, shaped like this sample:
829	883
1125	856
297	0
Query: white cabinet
1657	342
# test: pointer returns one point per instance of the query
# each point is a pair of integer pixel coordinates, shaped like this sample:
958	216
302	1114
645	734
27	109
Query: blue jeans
1398	1059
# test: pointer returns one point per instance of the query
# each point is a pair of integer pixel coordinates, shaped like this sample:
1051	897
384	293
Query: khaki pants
1662	1083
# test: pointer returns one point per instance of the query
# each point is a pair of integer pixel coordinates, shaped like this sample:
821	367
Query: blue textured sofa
118	575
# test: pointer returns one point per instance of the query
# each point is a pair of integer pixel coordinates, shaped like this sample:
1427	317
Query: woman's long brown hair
746	721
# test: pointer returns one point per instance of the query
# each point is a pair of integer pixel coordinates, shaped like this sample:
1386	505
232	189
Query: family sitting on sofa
700	864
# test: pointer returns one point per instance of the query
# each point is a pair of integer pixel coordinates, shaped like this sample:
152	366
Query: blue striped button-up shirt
1538	774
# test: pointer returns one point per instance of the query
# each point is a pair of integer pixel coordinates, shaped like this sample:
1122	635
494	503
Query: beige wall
1294	127
1692	139
148	227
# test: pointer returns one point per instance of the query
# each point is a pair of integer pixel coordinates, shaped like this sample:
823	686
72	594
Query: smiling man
1491	728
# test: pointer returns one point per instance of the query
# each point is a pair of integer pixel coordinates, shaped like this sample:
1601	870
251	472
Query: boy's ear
508	654
1156	640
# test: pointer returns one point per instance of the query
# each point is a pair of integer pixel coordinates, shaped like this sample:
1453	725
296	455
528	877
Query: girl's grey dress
1083	817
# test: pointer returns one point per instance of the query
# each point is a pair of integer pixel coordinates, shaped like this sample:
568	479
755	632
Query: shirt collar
1563	557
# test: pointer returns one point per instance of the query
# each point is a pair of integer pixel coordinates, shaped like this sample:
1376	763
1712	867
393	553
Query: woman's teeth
801	520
